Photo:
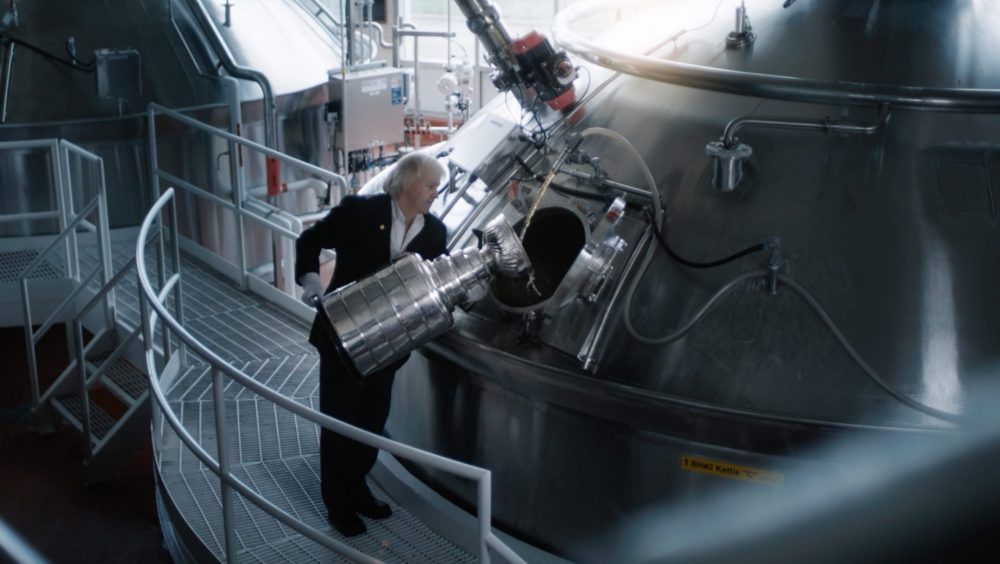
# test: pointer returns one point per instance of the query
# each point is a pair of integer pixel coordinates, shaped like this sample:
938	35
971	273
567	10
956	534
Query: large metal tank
892	233
179	68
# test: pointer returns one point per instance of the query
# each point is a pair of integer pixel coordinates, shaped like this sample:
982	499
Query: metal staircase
101	393
119	425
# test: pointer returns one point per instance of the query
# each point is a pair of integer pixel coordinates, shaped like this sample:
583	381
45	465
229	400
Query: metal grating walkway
13	263
271	450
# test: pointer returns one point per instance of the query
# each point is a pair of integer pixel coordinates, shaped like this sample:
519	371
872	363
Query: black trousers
363	403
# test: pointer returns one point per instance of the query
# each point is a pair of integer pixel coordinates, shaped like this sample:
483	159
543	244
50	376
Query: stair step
121	378
72	409
13	263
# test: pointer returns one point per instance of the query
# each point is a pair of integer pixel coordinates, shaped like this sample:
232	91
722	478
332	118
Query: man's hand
311	286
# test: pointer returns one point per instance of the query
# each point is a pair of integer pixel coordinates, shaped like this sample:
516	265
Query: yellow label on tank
730	470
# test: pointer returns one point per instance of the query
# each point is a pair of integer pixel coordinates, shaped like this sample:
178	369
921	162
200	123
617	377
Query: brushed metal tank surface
895	234
899	42
179	70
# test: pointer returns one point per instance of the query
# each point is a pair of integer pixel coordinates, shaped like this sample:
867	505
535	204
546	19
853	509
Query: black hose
582	194
696	264
78	62
50	56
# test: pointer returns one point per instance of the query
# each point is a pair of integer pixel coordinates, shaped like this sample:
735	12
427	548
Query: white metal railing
238	204
221	369
70	220
363	33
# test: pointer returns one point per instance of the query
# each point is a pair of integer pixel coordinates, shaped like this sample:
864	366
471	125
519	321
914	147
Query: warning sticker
730	470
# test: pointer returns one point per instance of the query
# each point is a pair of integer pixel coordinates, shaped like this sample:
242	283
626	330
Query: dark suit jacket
359	229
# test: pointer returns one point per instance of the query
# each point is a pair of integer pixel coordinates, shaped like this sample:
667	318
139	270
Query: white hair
408	169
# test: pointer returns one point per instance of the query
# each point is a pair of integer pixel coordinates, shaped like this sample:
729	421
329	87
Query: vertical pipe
29	341
104	242
343	38
396	39
277	258
485	512
229	63
366	21
154	167
81	371
237	181
178	298
6	72
479	76
225	491
418	119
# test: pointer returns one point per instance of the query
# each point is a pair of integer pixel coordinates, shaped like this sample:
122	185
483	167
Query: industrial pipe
729	155
824	125
5	78
484	21
239	71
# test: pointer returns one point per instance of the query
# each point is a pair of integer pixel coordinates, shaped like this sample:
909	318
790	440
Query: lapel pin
381	227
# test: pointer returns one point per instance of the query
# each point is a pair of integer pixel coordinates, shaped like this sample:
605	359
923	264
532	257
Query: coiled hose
725	289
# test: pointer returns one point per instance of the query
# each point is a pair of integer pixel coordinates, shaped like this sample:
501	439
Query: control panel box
118	73
369	106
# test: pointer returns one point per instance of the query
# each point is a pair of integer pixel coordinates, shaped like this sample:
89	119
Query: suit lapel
419	244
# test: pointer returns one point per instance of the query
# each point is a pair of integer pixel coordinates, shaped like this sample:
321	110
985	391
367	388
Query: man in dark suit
367	233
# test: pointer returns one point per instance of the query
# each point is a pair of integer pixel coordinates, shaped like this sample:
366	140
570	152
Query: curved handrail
763	85
149	298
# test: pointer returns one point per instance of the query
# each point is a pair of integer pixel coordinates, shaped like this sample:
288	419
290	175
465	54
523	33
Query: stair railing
150	299
70	221
238	203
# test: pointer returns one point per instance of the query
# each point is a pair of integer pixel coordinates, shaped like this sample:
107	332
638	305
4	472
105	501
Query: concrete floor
42	490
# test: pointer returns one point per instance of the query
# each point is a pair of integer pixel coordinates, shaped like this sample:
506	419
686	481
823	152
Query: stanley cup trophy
377	320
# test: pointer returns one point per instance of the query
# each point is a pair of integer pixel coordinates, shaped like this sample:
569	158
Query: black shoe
347	524
373	508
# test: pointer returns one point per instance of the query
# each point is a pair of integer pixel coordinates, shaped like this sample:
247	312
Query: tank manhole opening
553	241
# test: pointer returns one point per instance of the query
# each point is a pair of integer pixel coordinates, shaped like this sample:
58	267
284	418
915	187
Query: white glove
311	286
